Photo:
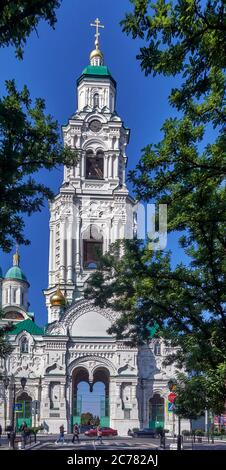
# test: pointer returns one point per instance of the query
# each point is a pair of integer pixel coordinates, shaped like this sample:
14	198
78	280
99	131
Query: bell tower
93	208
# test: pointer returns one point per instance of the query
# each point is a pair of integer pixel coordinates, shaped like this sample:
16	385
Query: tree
5	347
199	393
86	418
19	18
29	139
185	170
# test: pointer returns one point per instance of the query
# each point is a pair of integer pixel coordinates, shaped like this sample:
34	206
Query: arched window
157	349
92	248
24	346
14	296
96	100
94	165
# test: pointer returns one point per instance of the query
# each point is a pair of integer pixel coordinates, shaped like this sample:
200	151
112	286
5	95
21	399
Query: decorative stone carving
83	306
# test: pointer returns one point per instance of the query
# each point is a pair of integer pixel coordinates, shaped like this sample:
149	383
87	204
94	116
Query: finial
96	56
16	257
97	25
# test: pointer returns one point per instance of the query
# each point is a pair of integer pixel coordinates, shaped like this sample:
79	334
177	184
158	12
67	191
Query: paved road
114	443
109	444
120	443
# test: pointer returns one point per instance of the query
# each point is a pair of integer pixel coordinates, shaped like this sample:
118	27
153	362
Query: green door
104	413
25	415
77	411
156	412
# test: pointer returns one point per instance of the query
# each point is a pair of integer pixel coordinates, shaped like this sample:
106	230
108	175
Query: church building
92	210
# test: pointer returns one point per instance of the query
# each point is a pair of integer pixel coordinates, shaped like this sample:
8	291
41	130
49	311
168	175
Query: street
48	442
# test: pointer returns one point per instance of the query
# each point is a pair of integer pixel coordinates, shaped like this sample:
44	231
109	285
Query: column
69	253
105	166
62	250
77	243
115	167
83	165
110	166
51	255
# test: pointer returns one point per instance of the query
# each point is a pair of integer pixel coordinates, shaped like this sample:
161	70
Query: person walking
99	434
61	436
23	430
76	433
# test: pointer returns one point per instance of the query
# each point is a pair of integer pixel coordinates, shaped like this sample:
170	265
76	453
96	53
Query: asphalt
48	442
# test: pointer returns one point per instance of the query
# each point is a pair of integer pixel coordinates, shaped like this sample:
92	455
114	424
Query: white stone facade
76	337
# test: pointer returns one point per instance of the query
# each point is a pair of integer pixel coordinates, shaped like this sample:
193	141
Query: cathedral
92	209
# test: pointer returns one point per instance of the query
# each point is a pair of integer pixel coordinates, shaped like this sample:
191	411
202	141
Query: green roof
29	326
15	273
97	71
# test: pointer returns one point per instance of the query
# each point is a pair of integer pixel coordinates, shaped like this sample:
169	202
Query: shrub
199	432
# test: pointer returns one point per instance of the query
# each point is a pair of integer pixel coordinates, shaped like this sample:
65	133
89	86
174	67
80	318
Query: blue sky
53	60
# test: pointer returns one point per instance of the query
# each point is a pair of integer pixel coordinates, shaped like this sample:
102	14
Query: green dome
15	273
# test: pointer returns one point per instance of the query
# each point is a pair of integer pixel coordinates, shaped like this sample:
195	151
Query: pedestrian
99	434
23	430
61	436
75	433
0	434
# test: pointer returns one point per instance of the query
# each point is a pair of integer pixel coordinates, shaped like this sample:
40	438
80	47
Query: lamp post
6	384
13	430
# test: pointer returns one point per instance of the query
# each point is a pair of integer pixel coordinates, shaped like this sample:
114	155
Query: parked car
147	432
85	427
105	432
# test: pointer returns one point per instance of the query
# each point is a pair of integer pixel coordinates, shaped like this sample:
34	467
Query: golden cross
97	25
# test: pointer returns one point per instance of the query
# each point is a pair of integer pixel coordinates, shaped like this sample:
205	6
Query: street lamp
23	382
5	384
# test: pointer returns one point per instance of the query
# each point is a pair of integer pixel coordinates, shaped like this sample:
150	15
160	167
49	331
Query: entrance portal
25	415
156	412
90	398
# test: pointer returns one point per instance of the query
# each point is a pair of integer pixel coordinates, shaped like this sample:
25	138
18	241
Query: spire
16	257
96	56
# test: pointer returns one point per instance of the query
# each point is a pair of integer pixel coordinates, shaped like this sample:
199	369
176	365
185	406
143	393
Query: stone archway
25	415
85	386
156	412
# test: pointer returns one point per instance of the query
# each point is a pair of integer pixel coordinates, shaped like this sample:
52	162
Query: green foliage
86	418
30	141
186	171
19	18
199	392
199	432
5	347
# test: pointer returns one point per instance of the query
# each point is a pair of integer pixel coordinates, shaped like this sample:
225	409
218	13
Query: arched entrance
156	411
26	413
90	396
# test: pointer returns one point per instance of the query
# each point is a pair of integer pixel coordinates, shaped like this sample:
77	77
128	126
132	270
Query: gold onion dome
57	299
96	53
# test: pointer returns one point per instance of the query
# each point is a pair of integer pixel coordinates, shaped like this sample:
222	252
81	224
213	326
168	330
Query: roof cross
97	25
